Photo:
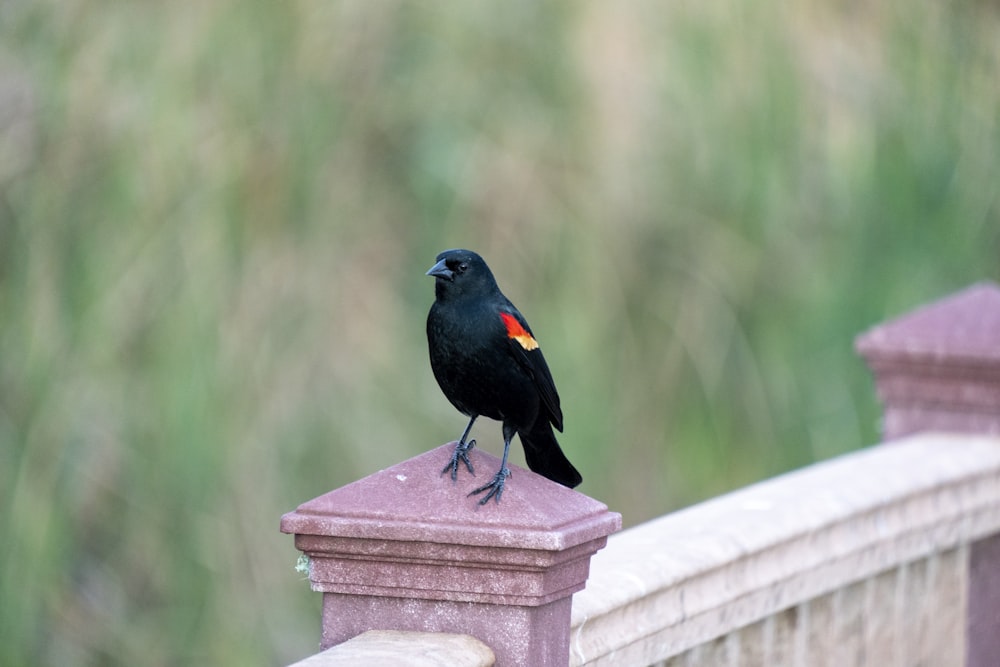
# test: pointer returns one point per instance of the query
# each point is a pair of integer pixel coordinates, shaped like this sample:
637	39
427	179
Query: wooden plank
693	576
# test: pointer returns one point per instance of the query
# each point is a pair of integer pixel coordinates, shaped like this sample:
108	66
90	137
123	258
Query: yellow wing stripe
518	332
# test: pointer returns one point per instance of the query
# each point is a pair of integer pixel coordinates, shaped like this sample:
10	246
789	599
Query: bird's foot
494	487
461	453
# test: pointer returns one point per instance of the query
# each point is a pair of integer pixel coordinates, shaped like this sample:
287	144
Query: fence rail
860	560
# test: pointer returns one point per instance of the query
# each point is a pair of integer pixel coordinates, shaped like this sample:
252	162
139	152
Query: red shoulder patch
516	332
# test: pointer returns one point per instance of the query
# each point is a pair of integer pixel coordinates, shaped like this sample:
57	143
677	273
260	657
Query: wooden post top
407	549
413	501
938	367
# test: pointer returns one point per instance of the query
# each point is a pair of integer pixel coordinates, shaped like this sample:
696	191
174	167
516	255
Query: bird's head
460	272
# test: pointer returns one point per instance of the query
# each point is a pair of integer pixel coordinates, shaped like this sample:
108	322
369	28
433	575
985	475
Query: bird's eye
462	267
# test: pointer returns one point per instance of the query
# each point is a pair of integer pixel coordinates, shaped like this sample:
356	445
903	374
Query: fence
887	556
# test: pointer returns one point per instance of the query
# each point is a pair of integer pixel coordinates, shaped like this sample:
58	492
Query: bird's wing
528	354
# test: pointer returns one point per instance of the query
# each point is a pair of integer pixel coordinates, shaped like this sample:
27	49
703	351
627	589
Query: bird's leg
461	453
495	487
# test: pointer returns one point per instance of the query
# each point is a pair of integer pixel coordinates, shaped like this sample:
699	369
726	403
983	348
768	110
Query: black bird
488	363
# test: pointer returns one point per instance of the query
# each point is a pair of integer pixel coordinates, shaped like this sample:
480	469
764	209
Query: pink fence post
938	368
407	549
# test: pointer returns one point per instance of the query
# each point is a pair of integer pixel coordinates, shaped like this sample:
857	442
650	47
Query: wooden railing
886	556
860	560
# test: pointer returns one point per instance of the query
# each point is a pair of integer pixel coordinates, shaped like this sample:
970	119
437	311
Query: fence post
938	368
407	549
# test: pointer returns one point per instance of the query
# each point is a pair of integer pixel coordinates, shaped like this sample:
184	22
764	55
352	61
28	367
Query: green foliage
214	222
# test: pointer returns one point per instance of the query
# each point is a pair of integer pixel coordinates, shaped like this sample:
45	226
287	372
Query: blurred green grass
214	222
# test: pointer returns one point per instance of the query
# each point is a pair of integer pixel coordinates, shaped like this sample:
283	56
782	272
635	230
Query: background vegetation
215	219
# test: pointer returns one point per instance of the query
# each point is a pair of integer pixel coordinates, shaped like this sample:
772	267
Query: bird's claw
495	487
461	453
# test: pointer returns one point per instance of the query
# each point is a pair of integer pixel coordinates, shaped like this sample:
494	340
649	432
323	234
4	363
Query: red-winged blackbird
487	362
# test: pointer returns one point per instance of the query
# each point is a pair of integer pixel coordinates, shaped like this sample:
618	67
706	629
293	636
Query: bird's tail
544	456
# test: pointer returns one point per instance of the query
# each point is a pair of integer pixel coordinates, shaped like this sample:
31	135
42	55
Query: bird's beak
441	270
